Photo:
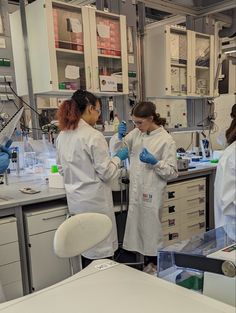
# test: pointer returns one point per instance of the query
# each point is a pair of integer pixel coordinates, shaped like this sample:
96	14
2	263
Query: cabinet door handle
90	78
98	77
190	80
53	217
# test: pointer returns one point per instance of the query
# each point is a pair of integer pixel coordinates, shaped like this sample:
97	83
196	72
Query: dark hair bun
80	97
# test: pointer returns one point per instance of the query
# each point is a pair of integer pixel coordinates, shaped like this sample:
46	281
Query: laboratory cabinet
10	264
72	48
44	266
184	210
178	62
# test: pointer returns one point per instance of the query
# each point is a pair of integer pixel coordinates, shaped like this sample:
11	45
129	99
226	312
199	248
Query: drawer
9	253
173	191
13	290
42	221
193	229
194	187
171	208
193	214
10	273
170	222
189	203
171	236
8	230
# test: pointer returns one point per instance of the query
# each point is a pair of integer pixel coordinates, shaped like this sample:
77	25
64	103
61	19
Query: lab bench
36	216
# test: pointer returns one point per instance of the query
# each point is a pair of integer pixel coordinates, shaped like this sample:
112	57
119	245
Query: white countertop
106	286
10	196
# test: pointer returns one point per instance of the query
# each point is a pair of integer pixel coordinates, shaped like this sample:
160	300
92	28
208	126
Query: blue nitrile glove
6	148
123	153
4	161
147	157
122	129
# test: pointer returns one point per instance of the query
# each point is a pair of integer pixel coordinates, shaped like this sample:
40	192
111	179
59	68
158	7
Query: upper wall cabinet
72	47
178	62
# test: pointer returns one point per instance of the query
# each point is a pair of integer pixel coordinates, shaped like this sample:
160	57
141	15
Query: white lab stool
79	233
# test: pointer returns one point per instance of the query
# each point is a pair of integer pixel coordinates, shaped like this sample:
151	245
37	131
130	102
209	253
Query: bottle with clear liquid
29	156
116	123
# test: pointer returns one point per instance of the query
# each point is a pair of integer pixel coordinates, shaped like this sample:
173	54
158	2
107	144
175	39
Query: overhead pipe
229	31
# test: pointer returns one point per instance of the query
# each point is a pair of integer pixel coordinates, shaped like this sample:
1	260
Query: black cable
23	100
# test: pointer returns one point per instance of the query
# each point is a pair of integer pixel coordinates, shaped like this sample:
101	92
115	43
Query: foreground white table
106	286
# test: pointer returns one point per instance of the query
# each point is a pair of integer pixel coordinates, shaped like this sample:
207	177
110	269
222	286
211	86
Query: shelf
202	67
109	56
69	51
180	94
47	108
178	65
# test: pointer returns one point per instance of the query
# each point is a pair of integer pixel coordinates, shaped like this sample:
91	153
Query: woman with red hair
84	161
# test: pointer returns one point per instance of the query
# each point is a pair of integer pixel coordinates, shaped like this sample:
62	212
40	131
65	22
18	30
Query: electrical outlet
8	79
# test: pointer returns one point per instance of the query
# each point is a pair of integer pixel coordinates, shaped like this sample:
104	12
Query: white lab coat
225	188
143	231
87	168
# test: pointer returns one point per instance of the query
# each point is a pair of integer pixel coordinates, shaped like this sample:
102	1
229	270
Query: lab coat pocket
148	198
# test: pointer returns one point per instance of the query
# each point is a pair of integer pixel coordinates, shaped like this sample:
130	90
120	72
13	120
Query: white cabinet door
202	64
109	52
178	62
46	268
71	48
10	266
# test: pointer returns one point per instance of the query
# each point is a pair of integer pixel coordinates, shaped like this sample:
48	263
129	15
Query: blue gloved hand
6	147
147	157
122	129
123	153
4	161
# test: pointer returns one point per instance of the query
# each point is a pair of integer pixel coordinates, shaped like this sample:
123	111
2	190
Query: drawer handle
200	187
171	209
170	222
200	225
53	217
200	212
194	225
201	200
171	194
190	213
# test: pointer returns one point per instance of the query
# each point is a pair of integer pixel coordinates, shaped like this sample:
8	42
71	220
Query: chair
79	233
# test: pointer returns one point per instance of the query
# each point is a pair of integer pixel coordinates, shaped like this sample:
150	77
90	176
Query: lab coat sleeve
105	166
166	168
227	192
